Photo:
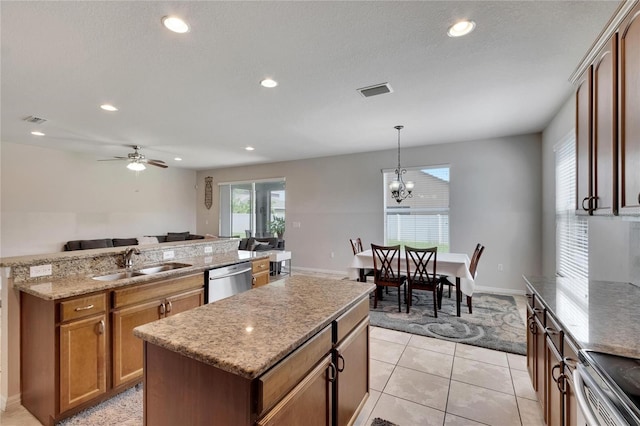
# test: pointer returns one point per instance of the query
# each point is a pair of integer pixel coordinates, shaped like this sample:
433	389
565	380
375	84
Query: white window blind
423	220
572	231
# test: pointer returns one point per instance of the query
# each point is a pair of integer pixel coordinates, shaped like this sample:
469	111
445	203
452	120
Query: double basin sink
144	271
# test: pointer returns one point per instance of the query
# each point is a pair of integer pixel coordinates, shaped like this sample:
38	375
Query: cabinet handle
561	383
332	372
532	325
162	309
550	330
586	209
557	366
84	308
169	306
570	362
340	357
638	197
101	327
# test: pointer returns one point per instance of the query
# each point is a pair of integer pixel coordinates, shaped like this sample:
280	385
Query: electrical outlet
168	254
500	268
208	249
296	224
40	271
333	255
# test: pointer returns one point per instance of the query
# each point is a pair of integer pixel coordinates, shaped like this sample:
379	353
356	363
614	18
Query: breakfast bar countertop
79	284
599	315
248	333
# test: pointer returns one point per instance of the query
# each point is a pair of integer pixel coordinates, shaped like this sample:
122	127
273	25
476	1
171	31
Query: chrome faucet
128	262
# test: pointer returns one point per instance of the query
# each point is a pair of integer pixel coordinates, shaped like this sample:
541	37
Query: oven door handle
580	377
583	405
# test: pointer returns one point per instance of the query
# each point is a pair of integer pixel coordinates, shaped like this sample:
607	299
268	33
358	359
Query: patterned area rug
124	409
494	324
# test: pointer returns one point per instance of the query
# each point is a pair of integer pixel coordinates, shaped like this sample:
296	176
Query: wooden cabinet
138	305
551	359
260	271
352	384
596	134
629	94
78	351
83	360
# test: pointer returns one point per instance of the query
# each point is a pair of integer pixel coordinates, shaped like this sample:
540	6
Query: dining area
407	270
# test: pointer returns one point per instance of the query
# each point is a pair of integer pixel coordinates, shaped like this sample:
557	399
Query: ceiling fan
137	160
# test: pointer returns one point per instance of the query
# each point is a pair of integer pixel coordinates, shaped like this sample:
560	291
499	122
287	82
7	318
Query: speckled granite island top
248	333
599	315
77	285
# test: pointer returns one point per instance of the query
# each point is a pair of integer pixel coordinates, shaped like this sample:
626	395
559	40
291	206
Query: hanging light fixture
136	166
399	189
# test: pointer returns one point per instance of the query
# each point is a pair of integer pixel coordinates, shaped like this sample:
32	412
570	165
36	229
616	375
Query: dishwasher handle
215	274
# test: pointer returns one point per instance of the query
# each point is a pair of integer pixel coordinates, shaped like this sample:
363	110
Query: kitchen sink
162	268
118	276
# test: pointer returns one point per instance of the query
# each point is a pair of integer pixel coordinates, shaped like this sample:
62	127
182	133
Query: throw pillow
147	240
94	244
120	242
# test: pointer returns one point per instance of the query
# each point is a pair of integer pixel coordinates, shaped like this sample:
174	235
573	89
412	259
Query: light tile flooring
417	380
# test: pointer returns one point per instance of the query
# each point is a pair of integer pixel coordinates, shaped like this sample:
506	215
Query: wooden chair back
356	245
475	259
421	266
386	263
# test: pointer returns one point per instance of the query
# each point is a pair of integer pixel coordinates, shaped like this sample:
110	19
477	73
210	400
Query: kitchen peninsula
295	349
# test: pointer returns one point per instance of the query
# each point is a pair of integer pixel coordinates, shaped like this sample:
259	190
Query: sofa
260	244
120	242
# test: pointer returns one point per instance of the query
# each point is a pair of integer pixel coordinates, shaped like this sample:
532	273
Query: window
250	208
572	231
423	220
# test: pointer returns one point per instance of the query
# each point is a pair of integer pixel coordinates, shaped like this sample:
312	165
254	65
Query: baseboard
499	290
11	402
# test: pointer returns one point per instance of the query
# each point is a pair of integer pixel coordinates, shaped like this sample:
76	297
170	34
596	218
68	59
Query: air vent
33	119
378	89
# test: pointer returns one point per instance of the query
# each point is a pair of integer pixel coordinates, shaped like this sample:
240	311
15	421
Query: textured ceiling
197	95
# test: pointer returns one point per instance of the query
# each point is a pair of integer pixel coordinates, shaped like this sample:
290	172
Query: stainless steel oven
607	389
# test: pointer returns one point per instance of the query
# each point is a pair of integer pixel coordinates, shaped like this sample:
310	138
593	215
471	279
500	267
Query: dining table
449	264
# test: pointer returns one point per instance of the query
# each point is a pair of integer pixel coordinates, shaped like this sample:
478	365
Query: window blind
572	231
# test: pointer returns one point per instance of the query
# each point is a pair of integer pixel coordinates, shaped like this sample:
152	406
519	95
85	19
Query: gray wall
50	197
495	199
614	242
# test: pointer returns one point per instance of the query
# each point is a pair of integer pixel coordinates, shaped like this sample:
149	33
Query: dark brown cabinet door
83	361
605	131
127	349
353	373
307	404
554	406
540	358
583	143
629	93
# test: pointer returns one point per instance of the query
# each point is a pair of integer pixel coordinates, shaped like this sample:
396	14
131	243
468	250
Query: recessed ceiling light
174	24
249	148
36	133
108	107
267	82
461	28
178	159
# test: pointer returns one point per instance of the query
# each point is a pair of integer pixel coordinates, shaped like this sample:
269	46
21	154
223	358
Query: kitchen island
296	350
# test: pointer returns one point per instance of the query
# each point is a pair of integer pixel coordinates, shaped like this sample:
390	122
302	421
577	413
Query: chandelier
399	189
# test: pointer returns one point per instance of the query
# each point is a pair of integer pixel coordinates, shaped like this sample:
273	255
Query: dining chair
421	273
473	267
386	267
356	246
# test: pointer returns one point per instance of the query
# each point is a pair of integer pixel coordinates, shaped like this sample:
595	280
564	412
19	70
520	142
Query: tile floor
417	380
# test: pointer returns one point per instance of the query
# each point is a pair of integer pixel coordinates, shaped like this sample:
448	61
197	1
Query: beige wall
50	197
495	199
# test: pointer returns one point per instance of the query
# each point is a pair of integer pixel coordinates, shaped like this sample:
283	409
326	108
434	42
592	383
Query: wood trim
350	319
610	28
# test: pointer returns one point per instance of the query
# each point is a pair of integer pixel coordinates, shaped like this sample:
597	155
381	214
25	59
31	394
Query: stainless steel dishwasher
227	281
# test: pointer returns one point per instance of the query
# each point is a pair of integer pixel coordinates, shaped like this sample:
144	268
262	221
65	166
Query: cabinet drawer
347	321
156	290
260	265
275	383
82	307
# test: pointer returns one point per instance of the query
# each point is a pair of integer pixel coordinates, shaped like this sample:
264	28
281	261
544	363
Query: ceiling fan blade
115	159
153	163
157	161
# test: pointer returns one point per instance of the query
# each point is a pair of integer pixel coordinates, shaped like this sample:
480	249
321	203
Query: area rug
380	422
494	324
124	409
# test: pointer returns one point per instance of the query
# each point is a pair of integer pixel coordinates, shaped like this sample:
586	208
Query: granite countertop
248	333
77	285
599	315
